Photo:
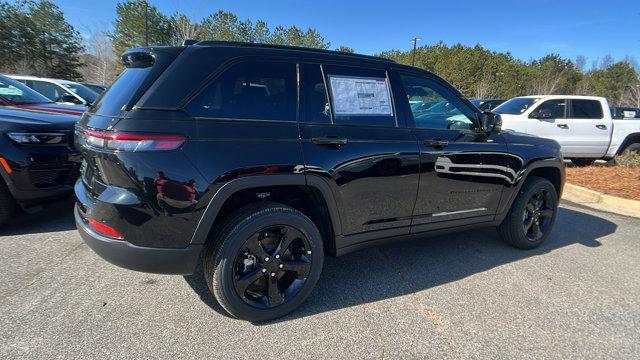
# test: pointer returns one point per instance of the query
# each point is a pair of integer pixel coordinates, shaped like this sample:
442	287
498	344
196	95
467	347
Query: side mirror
490	122
541	114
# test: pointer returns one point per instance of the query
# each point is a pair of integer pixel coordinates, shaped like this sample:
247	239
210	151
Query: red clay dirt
611	180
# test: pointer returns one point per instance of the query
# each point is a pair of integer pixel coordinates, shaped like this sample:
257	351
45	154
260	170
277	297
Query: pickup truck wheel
631	149
583	162
7	204
532	215
264	261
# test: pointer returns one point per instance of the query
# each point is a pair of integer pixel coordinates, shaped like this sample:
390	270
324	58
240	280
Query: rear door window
586	109
316	107
360	96
250	90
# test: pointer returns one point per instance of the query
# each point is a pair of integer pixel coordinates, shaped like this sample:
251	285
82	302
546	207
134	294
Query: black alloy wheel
272	266
537	216
263	261
530	220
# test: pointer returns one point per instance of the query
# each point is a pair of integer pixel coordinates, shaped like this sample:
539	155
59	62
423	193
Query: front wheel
264	261
532	215
7	204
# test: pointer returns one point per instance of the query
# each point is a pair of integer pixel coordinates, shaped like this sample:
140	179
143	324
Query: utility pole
413	58
146	23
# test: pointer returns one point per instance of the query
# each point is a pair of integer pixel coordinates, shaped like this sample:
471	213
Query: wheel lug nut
272	274
267	259
278	256
280	266
264	271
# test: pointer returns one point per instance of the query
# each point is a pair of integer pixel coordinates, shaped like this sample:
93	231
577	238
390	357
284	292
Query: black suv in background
37	156
260	160
486	104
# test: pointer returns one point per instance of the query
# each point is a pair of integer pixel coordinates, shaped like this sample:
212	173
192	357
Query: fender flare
535	164
227	190
627	141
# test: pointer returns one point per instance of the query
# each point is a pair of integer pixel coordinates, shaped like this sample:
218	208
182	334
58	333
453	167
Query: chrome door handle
436	143
563	126
601	127
329	141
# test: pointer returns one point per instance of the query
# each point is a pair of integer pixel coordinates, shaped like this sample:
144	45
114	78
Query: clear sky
526	28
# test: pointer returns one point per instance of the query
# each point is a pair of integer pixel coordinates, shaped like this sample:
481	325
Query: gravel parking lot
458	296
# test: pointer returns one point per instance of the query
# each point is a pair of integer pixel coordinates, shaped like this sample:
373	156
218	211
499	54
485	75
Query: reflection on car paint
445	165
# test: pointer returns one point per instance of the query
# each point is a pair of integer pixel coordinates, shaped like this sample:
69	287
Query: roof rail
286	47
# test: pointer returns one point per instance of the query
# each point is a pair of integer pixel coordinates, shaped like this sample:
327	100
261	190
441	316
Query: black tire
583	162
221	265
7	204
632	148
518	227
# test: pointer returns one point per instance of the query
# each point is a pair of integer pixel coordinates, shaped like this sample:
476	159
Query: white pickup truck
583	125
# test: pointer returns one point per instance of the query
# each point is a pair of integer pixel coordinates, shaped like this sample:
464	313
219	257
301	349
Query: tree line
36	39
481	73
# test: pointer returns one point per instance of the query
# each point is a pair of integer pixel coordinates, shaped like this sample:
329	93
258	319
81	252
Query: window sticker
360	96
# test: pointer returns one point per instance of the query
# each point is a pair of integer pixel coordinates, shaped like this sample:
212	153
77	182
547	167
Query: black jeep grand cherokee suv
260	160
38	161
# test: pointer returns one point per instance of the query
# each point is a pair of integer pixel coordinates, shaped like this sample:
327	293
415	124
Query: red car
16	94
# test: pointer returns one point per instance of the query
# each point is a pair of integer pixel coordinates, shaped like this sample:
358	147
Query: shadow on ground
54	216
398	269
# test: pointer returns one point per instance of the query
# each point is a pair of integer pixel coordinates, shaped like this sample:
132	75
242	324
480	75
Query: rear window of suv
134	81
122	91
250	90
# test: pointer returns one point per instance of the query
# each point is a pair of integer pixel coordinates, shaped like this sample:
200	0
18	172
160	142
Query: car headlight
38	138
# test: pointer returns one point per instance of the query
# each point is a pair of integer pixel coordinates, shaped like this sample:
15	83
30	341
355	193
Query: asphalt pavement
458	296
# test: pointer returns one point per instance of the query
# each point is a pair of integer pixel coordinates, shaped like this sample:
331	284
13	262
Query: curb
601	201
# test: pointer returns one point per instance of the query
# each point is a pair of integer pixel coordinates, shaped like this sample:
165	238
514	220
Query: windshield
18	93
84	92
515	106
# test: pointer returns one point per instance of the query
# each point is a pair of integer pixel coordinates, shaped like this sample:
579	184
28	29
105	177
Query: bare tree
584	86
483	88
631	95
183	29
100	61
546	84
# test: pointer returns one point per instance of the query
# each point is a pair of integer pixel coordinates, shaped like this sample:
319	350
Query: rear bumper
138	258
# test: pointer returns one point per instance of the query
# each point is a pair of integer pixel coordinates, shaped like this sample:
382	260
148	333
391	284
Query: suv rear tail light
122	141
104	229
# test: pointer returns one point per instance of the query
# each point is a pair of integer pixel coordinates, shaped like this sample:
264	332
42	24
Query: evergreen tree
138	24
37	40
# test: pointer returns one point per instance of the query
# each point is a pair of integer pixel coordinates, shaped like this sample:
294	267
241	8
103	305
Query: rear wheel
7	204
583	162
532	215
264	262
632	149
